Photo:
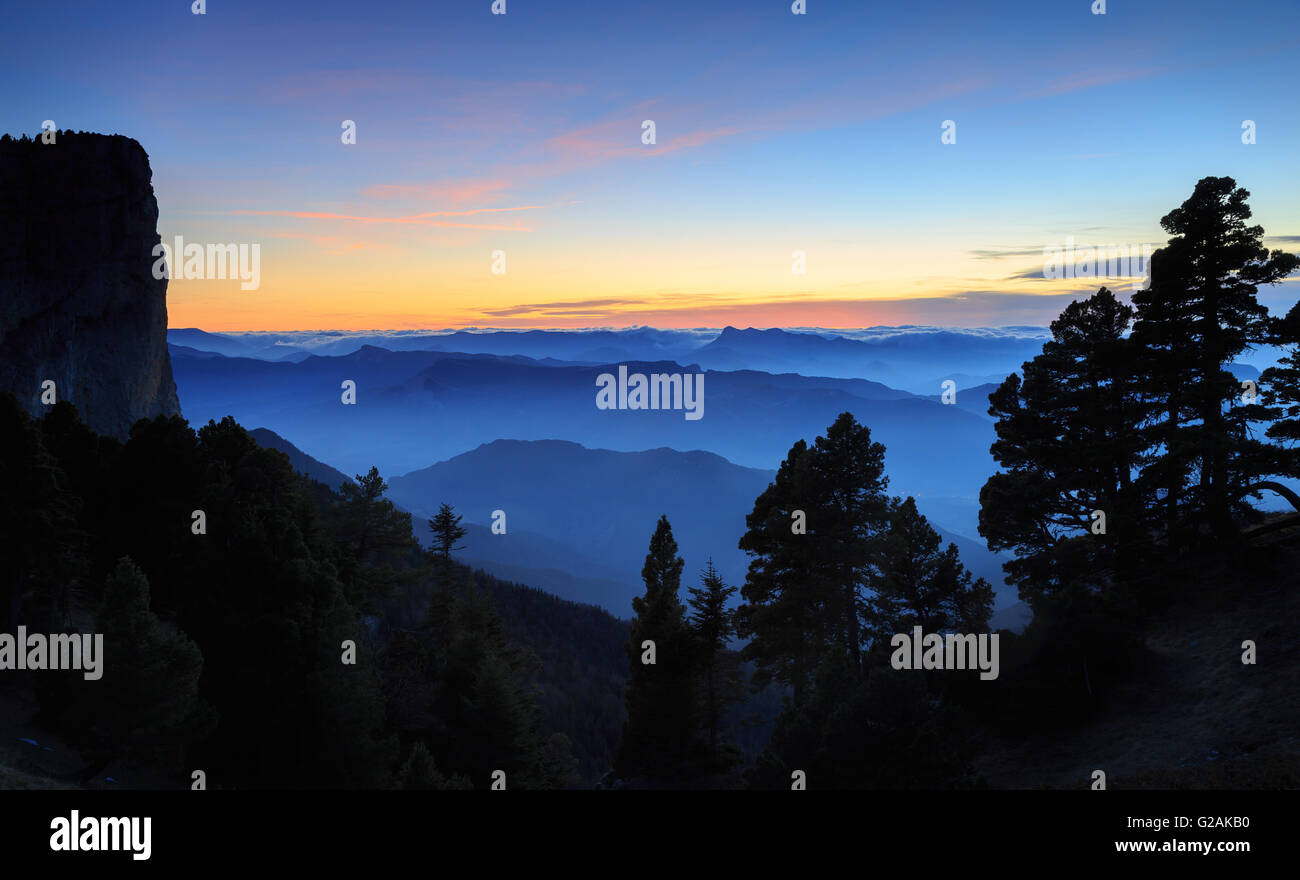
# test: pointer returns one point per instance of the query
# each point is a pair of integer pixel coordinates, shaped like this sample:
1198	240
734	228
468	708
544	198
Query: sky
517	142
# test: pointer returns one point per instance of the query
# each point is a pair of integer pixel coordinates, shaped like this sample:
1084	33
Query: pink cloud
425	219
621	137
335	245
1089	80
958	309
452	192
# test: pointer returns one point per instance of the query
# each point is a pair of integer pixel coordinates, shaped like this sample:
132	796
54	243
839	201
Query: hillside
1192	715
301	461
611	502
583	668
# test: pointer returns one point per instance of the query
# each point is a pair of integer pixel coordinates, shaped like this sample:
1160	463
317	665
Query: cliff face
78	300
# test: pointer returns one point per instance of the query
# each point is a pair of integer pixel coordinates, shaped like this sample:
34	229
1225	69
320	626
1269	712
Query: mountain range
489	432
592	549
916	359
415	408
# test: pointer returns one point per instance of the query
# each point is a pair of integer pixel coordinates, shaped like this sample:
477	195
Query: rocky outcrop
78	301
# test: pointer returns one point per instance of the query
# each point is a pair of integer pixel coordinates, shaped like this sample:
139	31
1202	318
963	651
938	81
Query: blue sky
775	133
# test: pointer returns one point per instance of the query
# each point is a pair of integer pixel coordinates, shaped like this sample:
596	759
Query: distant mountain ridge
610	502
301	461
500	429
591	550
416	407
903	360
903	357
531	559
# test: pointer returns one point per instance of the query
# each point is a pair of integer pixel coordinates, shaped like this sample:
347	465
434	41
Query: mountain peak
730	332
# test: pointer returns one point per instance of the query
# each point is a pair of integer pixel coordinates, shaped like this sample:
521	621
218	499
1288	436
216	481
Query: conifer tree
1198	314
779	615
852	513
815	536
1068	439
922	584
447	530
1282	391
146	707
712	627
659	732
376	539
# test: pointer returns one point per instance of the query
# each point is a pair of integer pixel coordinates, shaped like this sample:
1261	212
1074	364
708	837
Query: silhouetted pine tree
1199	313
922	584
813	624
447	531
850	516
1281	384
1070	442
717	670
805	594
658	735
779	616
377	547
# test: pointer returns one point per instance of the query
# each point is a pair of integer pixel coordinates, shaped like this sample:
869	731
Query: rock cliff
78	301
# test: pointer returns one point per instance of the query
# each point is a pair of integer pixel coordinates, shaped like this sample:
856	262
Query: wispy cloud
1080	80
1000	253
451	192
425	219
983	308
617	138
335	245
588	306
1028	275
